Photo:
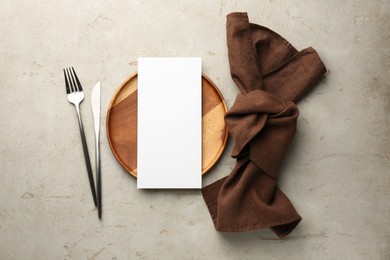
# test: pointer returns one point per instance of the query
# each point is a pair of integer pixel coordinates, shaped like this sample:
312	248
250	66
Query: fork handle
86	156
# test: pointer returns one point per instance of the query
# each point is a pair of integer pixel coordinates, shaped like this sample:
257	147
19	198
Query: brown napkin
271	75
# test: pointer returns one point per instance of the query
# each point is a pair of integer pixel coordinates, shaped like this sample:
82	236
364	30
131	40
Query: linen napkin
271	75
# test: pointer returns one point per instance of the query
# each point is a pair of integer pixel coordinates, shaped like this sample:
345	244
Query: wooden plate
121	124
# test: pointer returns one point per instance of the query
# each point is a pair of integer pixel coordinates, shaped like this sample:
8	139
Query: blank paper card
169	143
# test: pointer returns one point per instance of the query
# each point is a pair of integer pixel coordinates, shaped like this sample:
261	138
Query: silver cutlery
75	95
95	105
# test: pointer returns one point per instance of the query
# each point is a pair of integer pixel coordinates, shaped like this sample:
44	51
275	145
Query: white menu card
169	148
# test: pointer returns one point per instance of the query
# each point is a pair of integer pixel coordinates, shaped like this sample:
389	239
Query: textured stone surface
336	174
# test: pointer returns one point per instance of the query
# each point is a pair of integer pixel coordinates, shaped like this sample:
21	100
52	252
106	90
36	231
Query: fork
75	94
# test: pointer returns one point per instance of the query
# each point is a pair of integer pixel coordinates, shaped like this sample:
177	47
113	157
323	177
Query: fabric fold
271	75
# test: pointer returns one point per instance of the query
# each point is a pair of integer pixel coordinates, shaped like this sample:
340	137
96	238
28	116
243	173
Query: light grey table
336	173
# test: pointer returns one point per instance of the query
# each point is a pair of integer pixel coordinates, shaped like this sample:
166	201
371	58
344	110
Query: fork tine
66	83
80	88
72	80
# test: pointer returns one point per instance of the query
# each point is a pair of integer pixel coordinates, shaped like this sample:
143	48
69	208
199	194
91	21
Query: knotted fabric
272	76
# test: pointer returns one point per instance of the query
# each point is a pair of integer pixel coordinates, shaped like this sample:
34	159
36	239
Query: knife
95	105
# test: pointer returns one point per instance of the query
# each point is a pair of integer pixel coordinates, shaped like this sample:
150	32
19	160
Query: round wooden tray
121	124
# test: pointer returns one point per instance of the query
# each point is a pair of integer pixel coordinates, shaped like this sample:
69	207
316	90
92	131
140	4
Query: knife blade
95	105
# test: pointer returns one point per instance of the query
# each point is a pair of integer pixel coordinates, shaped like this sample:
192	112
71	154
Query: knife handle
98	175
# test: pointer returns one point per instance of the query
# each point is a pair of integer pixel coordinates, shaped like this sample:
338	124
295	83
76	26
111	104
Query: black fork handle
86	156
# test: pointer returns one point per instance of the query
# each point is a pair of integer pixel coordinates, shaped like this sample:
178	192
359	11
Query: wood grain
121	124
